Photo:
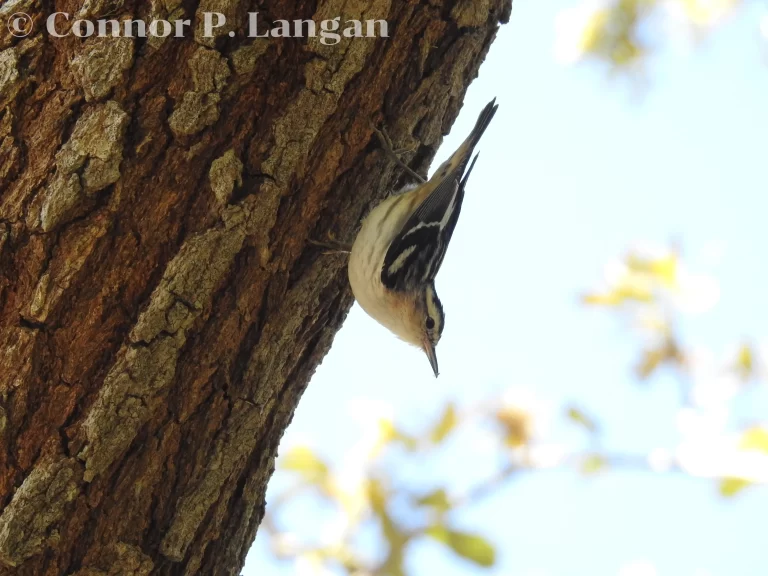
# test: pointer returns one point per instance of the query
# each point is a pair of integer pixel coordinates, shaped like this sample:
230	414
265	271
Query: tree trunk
161	310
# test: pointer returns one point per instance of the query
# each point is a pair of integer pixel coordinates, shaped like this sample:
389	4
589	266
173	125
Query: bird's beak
429	348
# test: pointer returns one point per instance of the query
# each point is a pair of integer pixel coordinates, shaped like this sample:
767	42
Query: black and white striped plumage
401	246
416	253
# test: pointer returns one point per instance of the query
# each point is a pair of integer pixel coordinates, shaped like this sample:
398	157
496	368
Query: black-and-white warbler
401	245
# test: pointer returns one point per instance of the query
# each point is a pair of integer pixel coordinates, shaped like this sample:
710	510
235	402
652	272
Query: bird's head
424	322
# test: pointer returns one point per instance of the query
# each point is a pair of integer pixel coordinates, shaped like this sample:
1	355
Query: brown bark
161	311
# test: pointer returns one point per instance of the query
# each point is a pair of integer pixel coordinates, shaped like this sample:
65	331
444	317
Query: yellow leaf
705	14
389	433
665	269
593	464
731	486
667	351
755	439
649	362
608	299
594	31
744	362
517	424
387	430
302	460
469	546
379	499
635	289
437	500
625	51
445	425
581	419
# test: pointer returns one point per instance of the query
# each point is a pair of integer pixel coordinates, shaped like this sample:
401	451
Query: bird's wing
415	255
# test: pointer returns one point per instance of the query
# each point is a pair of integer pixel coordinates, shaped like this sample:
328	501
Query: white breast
367	258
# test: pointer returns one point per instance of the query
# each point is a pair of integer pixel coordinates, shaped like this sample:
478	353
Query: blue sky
574	170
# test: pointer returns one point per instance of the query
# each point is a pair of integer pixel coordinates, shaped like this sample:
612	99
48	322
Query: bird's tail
468	172
454	167
464	153
483	120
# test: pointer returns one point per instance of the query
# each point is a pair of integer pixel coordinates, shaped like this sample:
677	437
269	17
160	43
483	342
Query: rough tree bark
161	311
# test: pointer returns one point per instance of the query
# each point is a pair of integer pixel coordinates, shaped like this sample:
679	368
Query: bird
401	244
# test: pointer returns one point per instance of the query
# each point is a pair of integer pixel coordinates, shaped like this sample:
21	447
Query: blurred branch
622	33
652	289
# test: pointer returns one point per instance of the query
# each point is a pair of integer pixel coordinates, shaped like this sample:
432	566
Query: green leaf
593	464
446	423
437	500
302	460
469	546
731	486
580	418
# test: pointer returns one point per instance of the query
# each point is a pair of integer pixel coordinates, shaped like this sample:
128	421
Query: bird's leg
332	245
386	144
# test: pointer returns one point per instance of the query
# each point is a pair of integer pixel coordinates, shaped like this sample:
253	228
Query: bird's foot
386	144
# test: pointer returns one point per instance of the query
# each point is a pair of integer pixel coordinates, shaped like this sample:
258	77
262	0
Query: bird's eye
430	323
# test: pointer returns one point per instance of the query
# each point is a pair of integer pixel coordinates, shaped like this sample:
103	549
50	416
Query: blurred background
602	407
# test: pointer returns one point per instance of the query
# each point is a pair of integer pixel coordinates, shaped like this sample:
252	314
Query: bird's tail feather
483	120
468	172
465	151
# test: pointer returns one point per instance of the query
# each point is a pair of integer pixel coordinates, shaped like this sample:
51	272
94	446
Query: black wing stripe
406	260
450	226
